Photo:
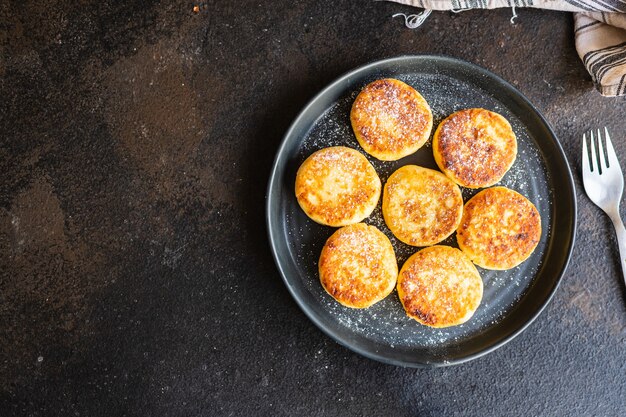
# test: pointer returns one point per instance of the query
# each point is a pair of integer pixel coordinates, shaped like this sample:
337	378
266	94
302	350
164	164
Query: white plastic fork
604	184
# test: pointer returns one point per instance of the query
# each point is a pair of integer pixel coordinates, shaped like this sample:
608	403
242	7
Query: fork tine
586	167
613	162
601	157
594	161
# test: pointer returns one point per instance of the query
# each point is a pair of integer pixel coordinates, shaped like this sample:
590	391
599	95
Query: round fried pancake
358	266
421	206
500	228
475	147
337	186
390	119
440	287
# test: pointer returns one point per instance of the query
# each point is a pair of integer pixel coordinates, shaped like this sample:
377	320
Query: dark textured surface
135	277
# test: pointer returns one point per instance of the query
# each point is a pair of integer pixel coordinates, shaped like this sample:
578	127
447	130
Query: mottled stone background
136	139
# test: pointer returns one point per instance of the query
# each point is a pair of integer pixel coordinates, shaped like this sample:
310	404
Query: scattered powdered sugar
386	322
388	115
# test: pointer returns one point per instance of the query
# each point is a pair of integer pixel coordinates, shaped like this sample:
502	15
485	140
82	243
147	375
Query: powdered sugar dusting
476	146
385	322
390	118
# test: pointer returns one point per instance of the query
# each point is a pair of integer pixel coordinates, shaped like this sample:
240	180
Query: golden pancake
440	287
337	186
358	266
500	228
421	206
475	147
390	119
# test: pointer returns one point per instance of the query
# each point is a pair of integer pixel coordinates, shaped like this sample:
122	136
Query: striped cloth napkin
600	30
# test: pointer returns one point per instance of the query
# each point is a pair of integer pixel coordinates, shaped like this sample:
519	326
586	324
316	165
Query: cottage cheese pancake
358	266
475	147
421	206
500	228
337	186
390	119
440	287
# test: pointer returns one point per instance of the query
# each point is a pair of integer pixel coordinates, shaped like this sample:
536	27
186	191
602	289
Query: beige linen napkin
599	27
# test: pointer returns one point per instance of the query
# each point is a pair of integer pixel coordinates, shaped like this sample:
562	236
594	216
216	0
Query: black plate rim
270	203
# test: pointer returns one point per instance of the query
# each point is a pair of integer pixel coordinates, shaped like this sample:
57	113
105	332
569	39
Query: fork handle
620	231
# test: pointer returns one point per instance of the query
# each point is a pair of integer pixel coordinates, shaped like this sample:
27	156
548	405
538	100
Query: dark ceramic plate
512	299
